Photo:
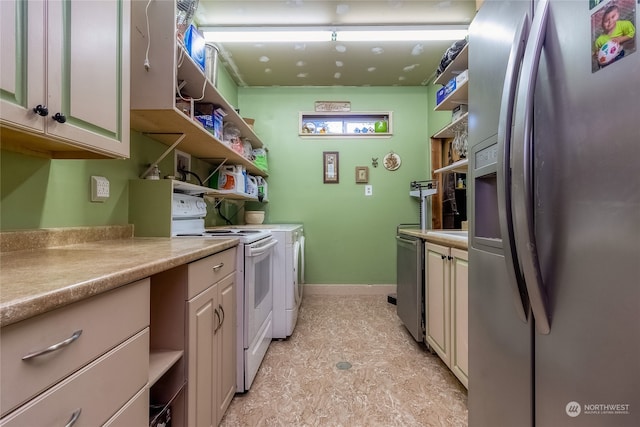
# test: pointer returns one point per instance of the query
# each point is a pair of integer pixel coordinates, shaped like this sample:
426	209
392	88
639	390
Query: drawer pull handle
218	266
215	330
222	311
74	417
54	347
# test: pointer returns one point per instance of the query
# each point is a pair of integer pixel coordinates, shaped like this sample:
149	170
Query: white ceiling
333	63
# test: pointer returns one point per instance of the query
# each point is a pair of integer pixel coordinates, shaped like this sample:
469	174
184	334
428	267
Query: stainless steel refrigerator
554	255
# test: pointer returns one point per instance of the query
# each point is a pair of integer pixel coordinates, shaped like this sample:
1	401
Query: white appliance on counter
254	278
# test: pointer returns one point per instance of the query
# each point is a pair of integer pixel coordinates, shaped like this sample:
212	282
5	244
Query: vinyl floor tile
392	380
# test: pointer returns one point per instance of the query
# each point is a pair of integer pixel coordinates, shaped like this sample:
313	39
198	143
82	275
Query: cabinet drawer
105	321
134	413
207	271
98	390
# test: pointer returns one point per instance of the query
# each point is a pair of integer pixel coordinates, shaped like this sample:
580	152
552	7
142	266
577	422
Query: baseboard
316	289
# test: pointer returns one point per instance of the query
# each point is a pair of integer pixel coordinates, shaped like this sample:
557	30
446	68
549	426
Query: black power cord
226	220
185	172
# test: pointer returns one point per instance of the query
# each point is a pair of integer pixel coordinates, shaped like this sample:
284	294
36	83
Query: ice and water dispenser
485	230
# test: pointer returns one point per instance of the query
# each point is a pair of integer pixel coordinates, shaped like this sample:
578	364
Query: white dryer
288	276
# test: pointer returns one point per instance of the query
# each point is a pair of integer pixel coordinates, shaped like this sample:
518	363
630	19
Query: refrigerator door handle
522	165
521	300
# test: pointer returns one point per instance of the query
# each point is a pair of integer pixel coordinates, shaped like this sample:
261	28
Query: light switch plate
99	188
368	190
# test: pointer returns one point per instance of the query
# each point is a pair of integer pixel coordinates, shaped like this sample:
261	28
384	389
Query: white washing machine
288	276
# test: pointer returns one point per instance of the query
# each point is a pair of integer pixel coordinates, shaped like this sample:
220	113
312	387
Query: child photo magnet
613	31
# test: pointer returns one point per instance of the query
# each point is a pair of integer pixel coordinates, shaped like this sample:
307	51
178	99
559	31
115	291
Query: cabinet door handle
54	347
59	117
74	417
41	110
218	266
449	257
443	256
222	311
215	330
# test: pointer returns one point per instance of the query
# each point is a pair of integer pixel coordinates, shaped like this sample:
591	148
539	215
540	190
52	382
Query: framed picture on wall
330	167
362	174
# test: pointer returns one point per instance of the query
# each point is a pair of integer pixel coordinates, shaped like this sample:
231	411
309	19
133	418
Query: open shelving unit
458	65
154	91
461	94
448	130
459	166
160	361
441	163
455	98
188	188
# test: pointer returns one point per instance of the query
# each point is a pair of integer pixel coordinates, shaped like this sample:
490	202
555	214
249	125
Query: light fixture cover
339	34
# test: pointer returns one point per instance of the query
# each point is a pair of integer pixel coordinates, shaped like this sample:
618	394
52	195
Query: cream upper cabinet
65	78
446	306
22	69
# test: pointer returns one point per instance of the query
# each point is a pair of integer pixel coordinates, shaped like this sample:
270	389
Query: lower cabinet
446	306
85	362
211	352
193	315
157	351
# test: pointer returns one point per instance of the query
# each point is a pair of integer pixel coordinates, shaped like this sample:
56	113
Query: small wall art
362	174
330	167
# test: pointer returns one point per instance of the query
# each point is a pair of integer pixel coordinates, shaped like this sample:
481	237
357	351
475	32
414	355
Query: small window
345	124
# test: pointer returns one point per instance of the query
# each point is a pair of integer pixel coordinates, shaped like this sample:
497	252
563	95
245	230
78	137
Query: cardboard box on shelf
446	90
218	123
194	44
215	114
458	111
206	121
462	78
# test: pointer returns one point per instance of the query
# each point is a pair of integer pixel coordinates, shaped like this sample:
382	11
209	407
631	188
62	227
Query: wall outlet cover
99	188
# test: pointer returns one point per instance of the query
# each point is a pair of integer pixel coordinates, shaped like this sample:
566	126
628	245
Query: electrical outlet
99	188
368	190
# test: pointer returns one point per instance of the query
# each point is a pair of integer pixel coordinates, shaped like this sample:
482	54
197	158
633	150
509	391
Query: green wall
351	237
44	193
437	119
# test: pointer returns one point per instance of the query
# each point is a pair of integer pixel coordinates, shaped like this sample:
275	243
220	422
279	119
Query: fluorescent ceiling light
247	35
382	35
339	34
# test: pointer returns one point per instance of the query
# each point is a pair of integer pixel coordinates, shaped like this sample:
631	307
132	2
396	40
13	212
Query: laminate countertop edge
453	238
36	281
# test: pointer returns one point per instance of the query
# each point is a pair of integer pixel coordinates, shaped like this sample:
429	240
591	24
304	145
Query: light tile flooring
393	380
